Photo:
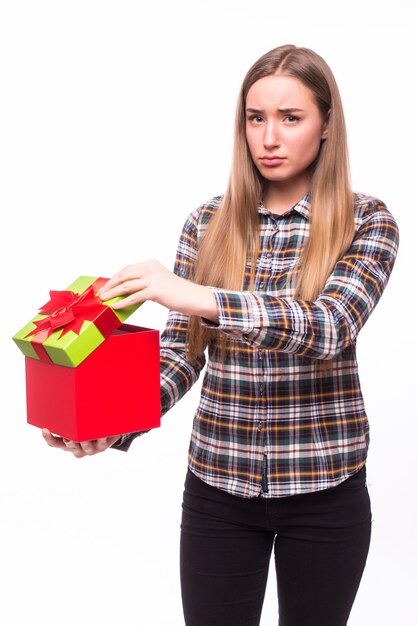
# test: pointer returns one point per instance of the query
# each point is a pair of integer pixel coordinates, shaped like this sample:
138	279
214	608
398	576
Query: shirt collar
302	207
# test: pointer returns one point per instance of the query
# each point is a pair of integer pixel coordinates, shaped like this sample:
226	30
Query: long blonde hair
232	236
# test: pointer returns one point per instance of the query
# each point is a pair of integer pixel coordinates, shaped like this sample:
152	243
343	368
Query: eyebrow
289	110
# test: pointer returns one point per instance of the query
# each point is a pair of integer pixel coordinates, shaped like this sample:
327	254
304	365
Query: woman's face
284	129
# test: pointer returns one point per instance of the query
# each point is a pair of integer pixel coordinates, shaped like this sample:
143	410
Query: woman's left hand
79	449
150	280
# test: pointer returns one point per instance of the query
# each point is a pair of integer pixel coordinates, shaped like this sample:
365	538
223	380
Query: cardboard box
88	375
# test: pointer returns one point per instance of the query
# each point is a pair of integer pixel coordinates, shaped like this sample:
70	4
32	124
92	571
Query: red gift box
89	375
113	391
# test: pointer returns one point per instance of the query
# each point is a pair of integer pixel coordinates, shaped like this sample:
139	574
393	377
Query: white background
116	122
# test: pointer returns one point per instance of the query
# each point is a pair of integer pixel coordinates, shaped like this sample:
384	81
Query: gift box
88	374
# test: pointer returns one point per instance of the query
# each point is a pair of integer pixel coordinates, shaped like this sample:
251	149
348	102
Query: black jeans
320	541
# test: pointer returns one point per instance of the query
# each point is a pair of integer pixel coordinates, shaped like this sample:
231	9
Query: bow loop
66	310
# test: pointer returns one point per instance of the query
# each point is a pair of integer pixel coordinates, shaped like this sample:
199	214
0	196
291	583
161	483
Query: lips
271	160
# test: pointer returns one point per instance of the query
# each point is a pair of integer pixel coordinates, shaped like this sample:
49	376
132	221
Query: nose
271	136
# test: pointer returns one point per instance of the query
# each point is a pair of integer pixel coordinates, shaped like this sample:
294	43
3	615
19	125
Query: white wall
92	94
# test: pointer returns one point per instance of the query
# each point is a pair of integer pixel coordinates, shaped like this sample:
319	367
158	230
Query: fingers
51	440
121	289
98	445
62	443
84	448
94	446
128	273
130	279
134	298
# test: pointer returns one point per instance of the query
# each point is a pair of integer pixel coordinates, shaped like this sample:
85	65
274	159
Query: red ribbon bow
67	310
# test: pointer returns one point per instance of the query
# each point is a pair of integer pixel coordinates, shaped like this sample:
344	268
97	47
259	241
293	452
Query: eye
257	119
292	118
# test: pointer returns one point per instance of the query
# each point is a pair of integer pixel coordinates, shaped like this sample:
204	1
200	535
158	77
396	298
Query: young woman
275	278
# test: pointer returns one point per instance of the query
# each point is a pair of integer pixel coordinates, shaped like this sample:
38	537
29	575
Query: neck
279	197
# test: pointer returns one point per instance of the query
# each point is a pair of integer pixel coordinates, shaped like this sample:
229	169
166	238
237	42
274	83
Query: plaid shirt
270	422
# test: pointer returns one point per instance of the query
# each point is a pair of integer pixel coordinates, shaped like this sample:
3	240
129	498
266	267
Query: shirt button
262	285
260	426
269	255
260	355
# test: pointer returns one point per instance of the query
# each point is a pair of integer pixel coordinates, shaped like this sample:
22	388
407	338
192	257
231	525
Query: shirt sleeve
322	328
177	373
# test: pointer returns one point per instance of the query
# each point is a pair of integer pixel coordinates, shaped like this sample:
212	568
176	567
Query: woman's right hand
84	448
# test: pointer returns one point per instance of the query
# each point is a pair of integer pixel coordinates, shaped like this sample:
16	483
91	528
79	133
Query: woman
276	278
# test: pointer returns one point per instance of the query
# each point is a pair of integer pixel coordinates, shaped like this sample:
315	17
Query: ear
325	132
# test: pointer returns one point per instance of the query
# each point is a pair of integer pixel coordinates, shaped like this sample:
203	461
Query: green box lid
73	324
